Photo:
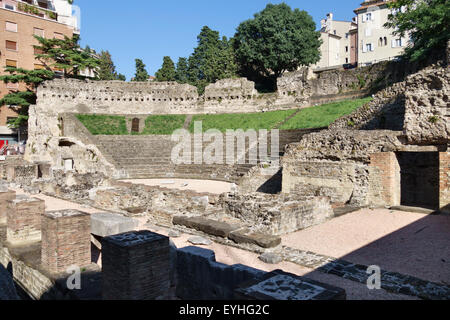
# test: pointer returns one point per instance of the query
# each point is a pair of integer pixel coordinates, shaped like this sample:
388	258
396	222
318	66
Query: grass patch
324	115
164	124
104	125
245	121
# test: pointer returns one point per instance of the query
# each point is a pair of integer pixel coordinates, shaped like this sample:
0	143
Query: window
11	63
38	51
11	45
13	86
346	60
58	36
11	26
39	32
346	48
39	67
369	47
368	16
385	41
9	7
398	42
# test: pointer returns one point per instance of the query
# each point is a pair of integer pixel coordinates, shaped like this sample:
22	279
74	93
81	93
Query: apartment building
337	38
19	22
376	43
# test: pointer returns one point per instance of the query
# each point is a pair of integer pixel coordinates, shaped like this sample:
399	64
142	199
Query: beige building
19	22
376	43
336	46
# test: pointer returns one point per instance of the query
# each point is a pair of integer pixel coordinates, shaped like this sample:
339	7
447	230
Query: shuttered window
11	45
38	51
59	36
11	26
39	32
11	63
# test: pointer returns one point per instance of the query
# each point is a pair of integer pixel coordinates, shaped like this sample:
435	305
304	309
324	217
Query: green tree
141	73
212	60
181	75
276	40
107	69
66	55
167	71
121	77
427	22
53	53
19	101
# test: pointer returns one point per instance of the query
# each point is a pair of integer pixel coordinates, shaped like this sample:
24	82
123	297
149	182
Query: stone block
260	239
66	240
108	224
136	266
279	285
23	219
212	227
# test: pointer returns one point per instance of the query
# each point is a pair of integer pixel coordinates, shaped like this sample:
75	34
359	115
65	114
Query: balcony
41	9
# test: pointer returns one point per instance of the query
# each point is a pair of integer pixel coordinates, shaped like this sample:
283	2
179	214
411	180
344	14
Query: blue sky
152	29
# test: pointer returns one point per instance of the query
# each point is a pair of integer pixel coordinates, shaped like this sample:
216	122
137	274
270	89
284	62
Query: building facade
19	22
336	49
376	43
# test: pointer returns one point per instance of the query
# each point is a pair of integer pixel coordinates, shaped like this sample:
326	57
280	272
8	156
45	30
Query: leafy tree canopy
167	71
426	21
65	55
141	73
107	69
213	59
276	40
181	75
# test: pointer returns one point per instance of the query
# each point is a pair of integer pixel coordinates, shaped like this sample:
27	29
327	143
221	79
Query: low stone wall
277	214
200	277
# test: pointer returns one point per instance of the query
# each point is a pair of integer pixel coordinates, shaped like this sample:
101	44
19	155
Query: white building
336	49
376	43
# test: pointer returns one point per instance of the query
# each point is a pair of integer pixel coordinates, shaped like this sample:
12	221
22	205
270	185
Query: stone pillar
388	168
23	219
136	266
66	240
444	182
5	196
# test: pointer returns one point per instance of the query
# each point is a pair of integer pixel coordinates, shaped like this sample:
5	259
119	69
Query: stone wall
428	107
277	214
335	163
200	277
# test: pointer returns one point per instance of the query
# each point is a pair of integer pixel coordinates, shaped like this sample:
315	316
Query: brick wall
5	196
444	181
388	170
66	240
135	266
24	219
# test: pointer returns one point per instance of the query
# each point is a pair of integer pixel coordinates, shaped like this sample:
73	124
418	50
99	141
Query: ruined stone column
23	218
5	196
136	266
444	181
66	240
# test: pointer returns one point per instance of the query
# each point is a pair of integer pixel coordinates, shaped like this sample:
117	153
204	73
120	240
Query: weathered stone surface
279	285
260	239
174	234
212	227
108	224
270	258
200	241
427	118
200	277
277	214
